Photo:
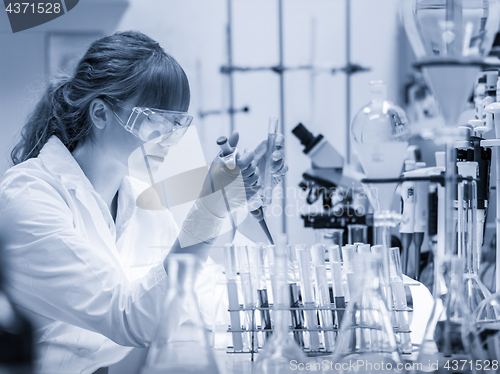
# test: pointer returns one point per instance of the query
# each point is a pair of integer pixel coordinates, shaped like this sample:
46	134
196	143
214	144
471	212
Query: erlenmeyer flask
366	334
280	349
483	335
181	333
443	340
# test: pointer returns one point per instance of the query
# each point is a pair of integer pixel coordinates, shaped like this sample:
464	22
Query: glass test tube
336	271
248	299
357	233
399	296
348	253
258	252
232	295
297	316
304	257
271	145
323	295
329	237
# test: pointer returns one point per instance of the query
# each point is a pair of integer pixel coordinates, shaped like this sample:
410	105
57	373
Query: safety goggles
148	123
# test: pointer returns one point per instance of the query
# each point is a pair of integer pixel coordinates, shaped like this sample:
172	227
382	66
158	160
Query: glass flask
182	342
483	335
366	333
449	320
16	337
280	349
468	248
380	134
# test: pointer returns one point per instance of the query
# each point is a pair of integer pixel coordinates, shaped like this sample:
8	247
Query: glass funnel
366	334
181	333
280	349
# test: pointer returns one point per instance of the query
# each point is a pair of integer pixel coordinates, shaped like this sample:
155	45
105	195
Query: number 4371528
33	8
471	365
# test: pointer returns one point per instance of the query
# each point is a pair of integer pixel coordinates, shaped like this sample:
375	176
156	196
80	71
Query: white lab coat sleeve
53	271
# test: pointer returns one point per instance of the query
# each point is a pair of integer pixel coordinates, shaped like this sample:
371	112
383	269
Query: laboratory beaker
357	233
181	332
280	349
443	341
366	341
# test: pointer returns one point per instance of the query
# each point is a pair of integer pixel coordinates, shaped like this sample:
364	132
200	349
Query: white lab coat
90	286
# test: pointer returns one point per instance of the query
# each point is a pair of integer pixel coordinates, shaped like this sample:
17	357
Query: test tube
248	299
271	145
335	268
307	295
323	295
400	306
297	316
378	249
364	248
261	287
232	295
329	237
348	253
357	233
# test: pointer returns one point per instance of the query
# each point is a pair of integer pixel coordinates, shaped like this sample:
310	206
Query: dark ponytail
121	66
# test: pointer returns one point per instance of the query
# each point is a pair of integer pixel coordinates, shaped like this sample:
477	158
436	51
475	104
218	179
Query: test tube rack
299	331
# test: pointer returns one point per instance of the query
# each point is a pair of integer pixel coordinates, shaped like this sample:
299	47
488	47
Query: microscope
337	184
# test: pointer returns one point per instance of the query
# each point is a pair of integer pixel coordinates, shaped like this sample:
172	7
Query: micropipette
228	156
271	145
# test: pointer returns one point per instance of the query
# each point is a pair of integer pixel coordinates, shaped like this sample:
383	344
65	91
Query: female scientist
78	264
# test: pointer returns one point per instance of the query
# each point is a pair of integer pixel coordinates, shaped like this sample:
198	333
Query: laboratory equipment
406	227
357	233
335	182
348	276
148	123
181	331
297	315
475	290
380	134
483	334
232	295
366	333
16	336
308	299
400	307
259	280
449	38
280	349
421	215
323	296
337	284
271	145
249	301
329	236
228	156
443	340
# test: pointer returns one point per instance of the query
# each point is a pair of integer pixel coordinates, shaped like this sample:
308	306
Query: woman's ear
99	113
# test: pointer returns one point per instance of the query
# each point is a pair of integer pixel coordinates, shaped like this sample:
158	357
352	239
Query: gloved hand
225	185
